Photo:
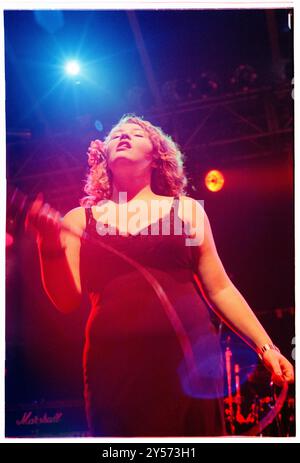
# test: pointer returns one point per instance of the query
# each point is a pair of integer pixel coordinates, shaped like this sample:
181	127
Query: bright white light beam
72	68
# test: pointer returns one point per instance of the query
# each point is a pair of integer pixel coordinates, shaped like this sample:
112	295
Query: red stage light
9	240
214	180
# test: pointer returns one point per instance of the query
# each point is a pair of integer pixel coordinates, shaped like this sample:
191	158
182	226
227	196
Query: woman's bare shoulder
75	217
190	205
191	211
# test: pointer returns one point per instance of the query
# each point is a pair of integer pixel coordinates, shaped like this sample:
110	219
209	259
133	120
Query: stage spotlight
243	78
214	180
208	84
72	68
179	90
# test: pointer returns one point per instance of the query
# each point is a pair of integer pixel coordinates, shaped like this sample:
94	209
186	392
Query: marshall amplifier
46	419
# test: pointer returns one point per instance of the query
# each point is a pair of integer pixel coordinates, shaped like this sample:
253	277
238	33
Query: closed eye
136	135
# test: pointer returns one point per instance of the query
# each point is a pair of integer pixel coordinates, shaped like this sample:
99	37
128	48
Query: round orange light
214	180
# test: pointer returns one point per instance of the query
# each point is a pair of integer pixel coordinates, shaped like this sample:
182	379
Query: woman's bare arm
228	302
59	253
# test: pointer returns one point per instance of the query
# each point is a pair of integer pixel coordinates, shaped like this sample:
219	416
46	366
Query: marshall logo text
29	419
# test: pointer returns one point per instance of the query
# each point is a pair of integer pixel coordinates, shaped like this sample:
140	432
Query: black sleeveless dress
152	359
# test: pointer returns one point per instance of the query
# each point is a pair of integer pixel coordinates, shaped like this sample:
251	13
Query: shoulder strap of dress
175	204
174	214
88	216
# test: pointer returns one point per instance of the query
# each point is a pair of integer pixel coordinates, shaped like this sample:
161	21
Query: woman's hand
282	370
43	220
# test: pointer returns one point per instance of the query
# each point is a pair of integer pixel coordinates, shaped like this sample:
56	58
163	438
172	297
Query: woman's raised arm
59	252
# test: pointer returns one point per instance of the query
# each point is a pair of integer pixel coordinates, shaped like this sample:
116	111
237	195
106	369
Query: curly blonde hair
168	177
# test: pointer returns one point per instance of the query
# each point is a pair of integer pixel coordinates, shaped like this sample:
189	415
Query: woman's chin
120	162
121	156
